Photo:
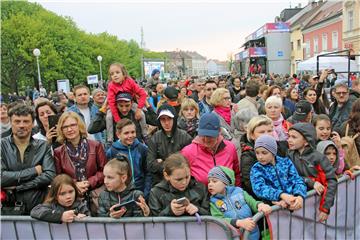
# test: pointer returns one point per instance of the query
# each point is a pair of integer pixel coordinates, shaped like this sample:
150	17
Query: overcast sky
213	28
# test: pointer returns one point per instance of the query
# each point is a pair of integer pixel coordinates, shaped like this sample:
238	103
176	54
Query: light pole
99	58
37	53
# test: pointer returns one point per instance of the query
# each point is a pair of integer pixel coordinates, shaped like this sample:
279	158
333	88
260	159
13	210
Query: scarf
280	133
79	156
224	112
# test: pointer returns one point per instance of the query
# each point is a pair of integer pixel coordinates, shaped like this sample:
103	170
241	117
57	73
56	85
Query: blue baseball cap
209	125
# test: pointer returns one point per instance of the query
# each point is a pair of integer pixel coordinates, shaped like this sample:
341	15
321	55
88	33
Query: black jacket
53	212
31	188
108	199
163	193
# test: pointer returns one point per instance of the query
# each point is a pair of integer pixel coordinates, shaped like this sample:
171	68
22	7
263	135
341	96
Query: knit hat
302	109
220	173
155	71
268	142
209	125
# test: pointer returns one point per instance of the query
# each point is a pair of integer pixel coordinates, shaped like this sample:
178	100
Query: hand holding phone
53	120
127	205
182	201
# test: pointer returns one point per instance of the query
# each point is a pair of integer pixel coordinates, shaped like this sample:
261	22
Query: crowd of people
228	146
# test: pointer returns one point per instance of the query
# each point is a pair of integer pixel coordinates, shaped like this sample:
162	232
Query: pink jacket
129	86
201	160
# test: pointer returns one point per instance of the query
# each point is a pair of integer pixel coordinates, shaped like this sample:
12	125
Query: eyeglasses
227	98
210	89
341	93
72	126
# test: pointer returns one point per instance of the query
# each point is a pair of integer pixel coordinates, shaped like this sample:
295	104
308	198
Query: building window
299	44
350	20
335	42
307	49
324	42
292	46
316	44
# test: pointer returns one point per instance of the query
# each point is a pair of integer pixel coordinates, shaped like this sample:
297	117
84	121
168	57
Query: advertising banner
277	27
257	52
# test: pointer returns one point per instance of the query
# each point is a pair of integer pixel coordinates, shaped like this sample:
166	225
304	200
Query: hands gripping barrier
25	227
343	221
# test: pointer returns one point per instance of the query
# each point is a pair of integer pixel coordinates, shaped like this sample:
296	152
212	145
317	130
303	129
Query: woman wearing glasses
81	158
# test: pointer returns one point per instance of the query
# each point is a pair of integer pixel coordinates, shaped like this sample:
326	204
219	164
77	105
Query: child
274	178
177	184
232	203
121	82
62	203
135	151
120	190
189	116
312	165
322	124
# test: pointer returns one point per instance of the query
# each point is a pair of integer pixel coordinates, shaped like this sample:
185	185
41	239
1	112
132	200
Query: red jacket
94	166
129	86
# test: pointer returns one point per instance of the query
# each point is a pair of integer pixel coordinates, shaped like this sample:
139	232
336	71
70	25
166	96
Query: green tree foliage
66	51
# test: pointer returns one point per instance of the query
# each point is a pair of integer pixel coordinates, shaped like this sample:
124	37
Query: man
167	140
198	93
204	105
302	112
151	83
85	109
340	110
98	96
355	88
171	95
27	166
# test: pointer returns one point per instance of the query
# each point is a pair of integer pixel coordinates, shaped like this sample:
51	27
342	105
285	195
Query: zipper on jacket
213	156
278	178
132	166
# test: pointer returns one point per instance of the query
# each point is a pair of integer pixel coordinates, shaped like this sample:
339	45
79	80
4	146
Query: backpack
351	152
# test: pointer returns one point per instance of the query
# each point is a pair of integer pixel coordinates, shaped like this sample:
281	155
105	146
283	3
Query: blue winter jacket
100	136
269	181
136	154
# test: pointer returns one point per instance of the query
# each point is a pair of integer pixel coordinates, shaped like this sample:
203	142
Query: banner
150	65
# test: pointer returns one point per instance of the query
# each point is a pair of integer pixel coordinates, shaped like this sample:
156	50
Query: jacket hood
119	146
166	106
307	130
323	145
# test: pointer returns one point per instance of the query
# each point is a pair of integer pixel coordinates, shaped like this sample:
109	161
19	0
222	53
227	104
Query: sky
215	29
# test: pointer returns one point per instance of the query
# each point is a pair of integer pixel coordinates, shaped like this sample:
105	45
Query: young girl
322	124
165	197
121	82
121	199
189	116
275	178
135	151
62	203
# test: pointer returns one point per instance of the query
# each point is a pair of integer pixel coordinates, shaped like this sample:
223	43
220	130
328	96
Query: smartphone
53	120
181	201
127	205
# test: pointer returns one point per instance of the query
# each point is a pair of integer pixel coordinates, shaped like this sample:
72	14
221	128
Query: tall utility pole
142	46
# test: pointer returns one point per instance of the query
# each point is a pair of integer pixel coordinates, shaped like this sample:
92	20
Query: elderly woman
221	101
273	109
81	158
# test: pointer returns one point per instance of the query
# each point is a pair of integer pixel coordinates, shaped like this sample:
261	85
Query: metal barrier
25	227
343	221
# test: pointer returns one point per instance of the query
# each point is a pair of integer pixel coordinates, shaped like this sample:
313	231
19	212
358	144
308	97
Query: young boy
232	203
275	178
312	165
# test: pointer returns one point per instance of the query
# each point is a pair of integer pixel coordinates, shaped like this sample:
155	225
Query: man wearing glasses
204	105
340	110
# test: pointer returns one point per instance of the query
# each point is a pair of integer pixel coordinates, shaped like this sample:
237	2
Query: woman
189	116
235	89
273	107
43	110
292	95
81	158
221	101
317	105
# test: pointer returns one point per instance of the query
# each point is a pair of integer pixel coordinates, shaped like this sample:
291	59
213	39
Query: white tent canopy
340	64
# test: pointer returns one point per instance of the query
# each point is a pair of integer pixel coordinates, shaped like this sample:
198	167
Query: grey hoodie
323	145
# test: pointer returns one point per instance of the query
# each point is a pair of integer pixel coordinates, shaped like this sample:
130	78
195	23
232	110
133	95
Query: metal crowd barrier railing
343	221
25	227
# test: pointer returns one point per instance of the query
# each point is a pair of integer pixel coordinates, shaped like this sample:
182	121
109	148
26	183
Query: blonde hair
274	100
257	122
189	102
121	166
217	96
81	125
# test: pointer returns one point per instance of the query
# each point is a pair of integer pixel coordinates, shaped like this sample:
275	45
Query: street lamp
99	58
37	53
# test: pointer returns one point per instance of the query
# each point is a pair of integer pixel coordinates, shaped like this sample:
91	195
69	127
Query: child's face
127	135
216	186
296	141
113	181
66	195
116	74
189	113
263	156
331	154
323	130
179	178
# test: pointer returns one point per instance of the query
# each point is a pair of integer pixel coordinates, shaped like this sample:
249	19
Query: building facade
351	25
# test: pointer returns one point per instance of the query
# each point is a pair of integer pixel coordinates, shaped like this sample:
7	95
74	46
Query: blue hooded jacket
136	154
